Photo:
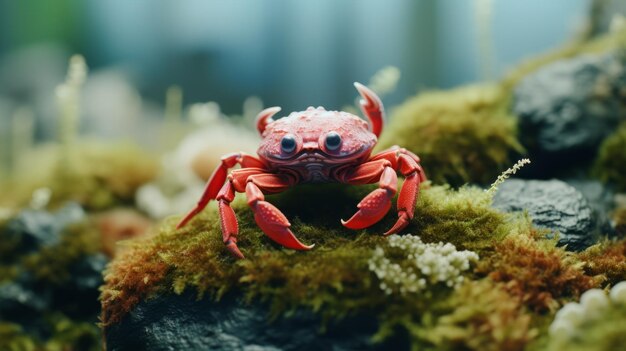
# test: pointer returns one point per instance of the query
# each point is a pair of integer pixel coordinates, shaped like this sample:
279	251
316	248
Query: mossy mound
97	175
462	135
611	160
502	304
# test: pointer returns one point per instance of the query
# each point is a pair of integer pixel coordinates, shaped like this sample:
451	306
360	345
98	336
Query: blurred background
288	53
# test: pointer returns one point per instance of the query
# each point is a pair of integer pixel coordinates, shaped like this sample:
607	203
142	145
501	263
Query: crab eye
333	141
288	143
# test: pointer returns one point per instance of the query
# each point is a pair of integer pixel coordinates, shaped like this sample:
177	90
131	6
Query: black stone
555	205
182	322
34	229
567	108
21	299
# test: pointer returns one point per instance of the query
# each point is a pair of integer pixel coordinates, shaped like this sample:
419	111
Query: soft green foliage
609	166
462	135
100	175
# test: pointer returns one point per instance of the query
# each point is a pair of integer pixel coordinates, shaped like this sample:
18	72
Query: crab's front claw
371	209
271	221
275	225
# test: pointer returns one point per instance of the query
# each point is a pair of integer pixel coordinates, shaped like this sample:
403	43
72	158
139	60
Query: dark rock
185	323
20	299
567	108
87	273
555	205
35	229
601	199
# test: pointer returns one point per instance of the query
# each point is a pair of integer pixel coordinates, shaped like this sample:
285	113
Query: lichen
462	135
609	165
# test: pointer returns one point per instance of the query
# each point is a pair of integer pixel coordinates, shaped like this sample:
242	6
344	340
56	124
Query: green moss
462	135
607	260
609	165
64	334
540	274
13	338
494	320
100	176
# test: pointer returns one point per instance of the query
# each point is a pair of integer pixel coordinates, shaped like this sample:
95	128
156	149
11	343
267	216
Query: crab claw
275	225
372	107
265	117
271	221
371	209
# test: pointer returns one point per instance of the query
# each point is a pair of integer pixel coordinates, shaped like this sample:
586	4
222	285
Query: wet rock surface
34	229
181	322
555	205
567	108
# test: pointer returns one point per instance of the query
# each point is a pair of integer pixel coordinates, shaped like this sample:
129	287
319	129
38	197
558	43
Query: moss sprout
609	165
463	135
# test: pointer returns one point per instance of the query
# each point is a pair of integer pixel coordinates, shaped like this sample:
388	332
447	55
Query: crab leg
375	205
273	222
217	180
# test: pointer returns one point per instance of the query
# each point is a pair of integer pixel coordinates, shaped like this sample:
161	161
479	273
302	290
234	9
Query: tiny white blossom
429	264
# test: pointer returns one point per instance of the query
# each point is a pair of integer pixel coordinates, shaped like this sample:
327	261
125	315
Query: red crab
314	146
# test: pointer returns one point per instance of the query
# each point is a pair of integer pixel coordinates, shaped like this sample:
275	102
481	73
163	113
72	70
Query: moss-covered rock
501	303
610	166
463	135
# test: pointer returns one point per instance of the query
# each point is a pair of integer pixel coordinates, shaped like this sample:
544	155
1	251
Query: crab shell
310	129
